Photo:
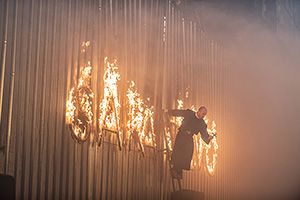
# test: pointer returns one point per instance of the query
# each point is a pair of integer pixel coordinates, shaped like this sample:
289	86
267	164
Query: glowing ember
84	45
109	108
79	106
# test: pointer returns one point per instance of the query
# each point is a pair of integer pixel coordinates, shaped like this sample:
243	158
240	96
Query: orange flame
175	121
140	118
110	107
79	106
202	149
211	165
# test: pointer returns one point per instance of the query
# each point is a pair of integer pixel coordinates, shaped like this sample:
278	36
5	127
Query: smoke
264	78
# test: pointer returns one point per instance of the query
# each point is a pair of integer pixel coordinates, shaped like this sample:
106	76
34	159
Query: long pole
11	88
3	59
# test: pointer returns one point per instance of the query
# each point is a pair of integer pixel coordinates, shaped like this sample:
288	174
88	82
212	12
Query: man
192	123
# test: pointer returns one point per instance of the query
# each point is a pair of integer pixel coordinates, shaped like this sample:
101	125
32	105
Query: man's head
202	111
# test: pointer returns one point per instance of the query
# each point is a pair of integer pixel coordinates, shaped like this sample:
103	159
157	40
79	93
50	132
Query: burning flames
79	106
140	123
202	150
139	120
211	165
109	108
168	138
174	124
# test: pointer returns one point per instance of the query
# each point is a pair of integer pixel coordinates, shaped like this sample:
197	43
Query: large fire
79	106
140	123
109	118
171	127
211	165
201	154
139	120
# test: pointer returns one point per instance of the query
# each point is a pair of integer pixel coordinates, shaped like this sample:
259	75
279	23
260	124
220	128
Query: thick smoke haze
264	76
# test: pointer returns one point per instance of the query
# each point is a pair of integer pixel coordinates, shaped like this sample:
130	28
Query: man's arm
204	134
176	112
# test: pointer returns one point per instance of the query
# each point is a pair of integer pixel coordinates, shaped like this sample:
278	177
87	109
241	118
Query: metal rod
66	143
42	168
35	129
11	88
3	59
27	114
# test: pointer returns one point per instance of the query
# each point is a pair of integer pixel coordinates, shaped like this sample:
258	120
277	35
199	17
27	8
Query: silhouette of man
192	123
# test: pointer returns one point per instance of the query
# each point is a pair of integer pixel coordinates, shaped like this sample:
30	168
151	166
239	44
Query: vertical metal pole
65	181
11	88
33	186
42	169
3	58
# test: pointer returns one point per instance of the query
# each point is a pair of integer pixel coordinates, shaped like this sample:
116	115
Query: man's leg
176	172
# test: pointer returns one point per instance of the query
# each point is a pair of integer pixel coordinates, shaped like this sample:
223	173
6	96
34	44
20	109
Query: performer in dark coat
192	123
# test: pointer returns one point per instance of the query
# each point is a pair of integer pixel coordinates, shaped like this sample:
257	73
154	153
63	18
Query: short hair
202	107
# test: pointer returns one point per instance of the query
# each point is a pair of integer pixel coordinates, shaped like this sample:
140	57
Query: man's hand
165	110
212	136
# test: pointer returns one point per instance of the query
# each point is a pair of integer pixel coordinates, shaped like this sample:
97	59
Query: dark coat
184	145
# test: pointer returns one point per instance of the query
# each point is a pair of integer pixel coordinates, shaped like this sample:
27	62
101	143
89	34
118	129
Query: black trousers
182	152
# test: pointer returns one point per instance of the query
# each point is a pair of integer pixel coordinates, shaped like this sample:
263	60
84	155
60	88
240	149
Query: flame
147	134
140	119
199	149
109	108
84	45
140	116
79	106
187	94
70	107
175	121
168	138
140	123
202	149
178	120
211	165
